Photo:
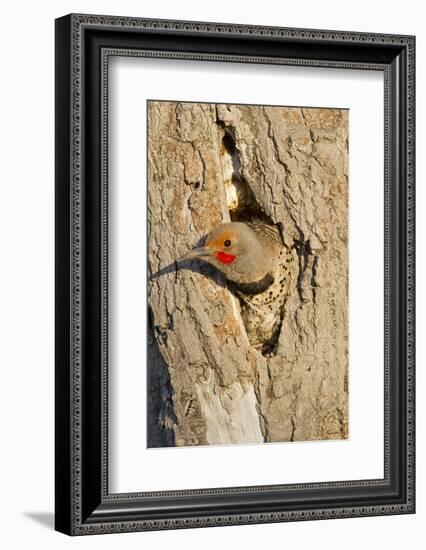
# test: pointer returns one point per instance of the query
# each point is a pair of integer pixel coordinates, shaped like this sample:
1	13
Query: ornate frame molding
86	507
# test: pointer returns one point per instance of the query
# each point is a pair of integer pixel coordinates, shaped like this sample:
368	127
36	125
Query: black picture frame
83	46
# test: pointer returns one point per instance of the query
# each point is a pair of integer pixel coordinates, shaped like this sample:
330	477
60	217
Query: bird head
237	251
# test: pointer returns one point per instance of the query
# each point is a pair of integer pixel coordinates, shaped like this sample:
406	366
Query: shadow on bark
161	416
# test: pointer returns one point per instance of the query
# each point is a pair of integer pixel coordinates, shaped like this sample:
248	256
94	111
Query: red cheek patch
225	258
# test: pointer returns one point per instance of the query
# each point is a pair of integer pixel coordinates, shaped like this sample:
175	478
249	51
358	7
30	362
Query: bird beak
196	253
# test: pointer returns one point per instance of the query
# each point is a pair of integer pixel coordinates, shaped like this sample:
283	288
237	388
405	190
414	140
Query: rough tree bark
209	164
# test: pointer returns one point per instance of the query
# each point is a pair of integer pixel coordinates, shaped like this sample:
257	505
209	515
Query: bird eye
227	242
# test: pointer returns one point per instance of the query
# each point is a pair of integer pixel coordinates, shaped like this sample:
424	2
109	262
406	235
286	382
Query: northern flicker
259	270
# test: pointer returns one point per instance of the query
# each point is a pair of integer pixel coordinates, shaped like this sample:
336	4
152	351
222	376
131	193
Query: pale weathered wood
208	164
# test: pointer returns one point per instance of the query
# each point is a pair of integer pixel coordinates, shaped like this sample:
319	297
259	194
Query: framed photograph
234	274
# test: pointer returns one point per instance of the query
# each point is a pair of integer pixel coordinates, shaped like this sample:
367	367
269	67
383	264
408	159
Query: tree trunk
209	164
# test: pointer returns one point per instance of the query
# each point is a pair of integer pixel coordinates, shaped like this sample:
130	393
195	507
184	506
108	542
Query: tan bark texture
214	163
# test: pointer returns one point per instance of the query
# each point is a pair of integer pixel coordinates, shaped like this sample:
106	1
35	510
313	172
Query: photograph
248	273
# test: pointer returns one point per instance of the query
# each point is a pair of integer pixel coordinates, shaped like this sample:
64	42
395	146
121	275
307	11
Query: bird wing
270	232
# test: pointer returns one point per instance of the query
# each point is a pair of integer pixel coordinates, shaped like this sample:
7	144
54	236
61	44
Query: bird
259	270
